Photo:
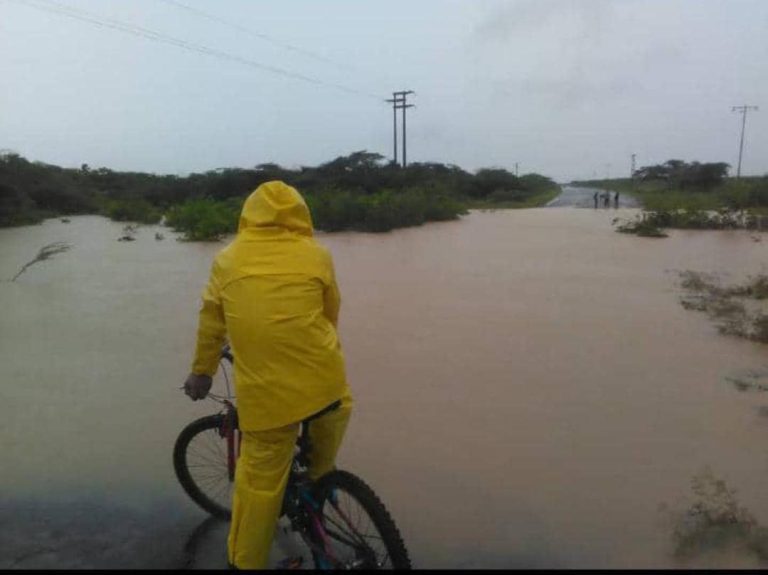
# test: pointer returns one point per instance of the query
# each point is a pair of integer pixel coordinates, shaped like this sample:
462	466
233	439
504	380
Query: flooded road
578	197
528	390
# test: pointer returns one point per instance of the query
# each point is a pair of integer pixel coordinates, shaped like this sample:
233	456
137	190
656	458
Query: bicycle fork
320	544
315	536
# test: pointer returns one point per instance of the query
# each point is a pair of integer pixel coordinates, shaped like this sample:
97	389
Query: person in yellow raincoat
272	292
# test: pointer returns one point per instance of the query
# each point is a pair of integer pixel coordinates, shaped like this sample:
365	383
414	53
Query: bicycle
333	515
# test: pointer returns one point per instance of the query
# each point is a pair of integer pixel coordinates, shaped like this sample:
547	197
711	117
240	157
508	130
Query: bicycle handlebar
226	353
218	398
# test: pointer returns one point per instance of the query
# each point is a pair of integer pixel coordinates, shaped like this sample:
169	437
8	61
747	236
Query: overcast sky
567	88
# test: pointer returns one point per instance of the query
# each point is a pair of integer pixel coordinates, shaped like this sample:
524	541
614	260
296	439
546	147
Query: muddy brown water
529	389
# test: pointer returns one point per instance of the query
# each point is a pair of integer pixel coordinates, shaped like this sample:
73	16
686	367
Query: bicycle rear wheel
201	463
361	533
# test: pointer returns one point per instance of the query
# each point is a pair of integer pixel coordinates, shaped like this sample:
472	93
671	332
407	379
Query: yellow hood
276	204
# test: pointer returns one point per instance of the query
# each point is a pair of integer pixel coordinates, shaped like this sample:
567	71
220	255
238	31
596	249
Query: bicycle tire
393	554
201	491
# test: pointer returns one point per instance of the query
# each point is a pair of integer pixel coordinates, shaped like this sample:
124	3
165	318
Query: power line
55	8
743	109
256	34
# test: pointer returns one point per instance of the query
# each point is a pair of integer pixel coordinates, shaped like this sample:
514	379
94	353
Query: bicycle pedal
291	563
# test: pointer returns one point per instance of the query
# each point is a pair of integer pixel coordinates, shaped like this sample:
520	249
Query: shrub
205	219
137	210
17	208
335	210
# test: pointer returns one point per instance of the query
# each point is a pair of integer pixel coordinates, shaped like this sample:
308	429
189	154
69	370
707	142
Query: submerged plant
760	328
715	522
641	226
129	233
45	253
653	222
725	305
749	380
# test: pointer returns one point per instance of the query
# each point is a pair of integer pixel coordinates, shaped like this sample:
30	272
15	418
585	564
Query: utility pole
743	110
404	107
394	126
632	172
399	102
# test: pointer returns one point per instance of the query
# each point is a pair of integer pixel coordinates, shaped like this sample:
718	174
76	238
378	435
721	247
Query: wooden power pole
399	101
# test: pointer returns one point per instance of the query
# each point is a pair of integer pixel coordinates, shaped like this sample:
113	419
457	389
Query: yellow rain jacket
273	292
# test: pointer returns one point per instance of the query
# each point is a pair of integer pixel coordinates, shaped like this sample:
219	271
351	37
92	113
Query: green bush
508	196
17	208
136	210
335	210
443	208
205	219
360	191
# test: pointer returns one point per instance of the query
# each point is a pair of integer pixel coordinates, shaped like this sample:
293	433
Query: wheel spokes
347	522
208	466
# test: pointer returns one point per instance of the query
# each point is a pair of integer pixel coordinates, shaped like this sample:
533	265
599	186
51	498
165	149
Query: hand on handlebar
197	386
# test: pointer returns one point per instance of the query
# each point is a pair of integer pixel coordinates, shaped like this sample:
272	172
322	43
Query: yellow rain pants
272	292
261	477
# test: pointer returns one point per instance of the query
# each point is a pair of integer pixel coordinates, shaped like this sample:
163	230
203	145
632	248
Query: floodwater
594	198
529	390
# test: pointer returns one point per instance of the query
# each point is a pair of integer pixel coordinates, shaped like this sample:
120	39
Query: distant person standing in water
616	200
595	198
607	199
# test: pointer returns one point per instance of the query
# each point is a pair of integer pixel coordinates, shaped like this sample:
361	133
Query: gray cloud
529	17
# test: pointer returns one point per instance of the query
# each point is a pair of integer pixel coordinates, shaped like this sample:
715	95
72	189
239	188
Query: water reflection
200	551
91	534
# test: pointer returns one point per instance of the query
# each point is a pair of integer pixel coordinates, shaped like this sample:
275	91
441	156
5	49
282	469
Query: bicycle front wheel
200	459
360	532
